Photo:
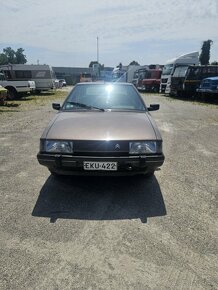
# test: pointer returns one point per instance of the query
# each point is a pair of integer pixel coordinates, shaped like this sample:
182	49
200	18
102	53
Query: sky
64	33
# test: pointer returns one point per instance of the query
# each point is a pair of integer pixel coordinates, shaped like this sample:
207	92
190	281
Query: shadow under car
100	198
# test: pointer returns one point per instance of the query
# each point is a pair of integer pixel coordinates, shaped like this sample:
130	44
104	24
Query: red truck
149	80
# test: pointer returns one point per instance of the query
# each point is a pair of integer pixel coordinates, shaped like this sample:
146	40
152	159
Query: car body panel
209	85
101	126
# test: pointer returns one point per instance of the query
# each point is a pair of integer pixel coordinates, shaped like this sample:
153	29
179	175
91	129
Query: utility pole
97	51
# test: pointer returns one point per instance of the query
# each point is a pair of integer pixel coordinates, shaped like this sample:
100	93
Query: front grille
101	148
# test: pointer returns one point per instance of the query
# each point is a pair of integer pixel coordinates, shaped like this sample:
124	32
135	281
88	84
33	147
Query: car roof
104	83
211	78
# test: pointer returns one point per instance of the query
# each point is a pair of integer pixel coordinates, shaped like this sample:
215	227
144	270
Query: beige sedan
102	128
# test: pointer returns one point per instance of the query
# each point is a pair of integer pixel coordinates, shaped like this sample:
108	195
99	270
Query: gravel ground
110	233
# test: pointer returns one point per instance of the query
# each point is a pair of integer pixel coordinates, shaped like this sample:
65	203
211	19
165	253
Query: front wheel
149	173
54	173
12	94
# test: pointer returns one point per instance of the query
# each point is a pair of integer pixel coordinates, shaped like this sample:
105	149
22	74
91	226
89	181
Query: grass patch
33	101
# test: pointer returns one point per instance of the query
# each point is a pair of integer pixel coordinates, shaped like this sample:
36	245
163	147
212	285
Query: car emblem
117	147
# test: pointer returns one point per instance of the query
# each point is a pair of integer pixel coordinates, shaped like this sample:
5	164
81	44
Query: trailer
42	75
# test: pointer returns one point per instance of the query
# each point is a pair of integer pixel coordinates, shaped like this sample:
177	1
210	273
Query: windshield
86	75
167	69
180	71
104	97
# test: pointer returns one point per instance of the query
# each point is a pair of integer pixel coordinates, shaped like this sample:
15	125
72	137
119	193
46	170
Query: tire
2	102
57	176
149	174
12	94
155	89
54	173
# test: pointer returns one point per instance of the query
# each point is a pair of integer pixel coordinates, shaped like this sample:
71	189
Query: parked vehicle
188	81
119	75
149	80
125	73
102	128
3	95
42	75
208	87
168	69
131	69
105	75
16	88
63	82
85	77
177	80
59	83
135	78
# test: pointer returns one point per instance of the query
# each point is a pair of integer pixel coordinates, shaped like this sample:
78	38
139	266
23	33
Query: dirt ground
110	233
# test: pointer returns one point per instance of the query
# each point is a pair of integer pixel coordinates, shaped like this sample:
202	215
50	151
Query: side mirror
154	107
56	106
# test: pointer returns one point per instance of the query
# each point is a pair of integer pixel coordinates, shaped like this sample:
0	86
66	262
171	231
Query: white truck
191	58
16	88
124	73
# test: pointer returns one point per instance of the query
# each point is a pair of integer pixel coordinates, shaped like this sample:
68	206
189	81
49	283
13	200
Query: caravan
42	75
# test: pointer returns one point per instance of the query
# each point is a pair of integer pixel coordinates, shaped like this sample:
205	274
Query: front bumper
209	91
68	164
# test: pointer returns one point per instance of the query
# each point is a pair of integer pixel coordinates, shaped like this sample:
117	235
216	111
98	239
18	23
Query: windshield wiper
81	105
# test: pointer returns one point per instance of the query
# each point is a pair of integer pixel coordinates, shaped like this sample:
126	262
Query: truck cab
149	80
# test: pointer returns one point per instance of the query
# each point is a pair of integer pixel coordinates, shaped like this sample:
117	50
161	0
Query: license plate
108	166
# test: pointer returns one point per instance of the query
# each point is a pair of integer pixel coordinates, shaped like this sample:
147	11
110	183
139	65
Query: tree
20	57
10	56
214	62
93	62
134	63
3	59
205	52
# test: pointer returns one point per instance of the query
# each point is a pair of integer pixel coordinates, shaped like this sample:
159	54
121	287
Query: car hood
101	126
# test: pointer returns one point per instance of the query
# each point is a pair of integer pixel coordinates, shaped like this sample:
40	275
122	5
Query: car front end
102	129
101	157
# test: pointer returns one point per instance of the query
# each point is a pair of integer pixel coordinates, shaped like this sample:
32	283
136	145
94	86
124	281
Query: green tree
10	56
205	52
134	63
93	62
20	56
214	62
3	59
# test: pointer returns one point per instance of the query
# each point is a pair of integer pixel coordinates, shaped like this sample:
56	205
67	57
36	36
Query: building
71	74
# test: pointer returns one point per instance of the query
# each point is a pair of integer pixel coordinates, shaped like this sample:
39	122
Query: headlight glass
145	147
54	146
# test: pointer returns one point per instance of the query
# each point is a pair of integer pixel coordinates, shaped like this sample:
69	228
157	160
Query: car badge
117	147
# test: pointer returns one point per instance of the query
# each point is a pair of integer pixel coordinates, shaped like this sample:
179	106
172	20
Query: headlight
53	146
145	147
